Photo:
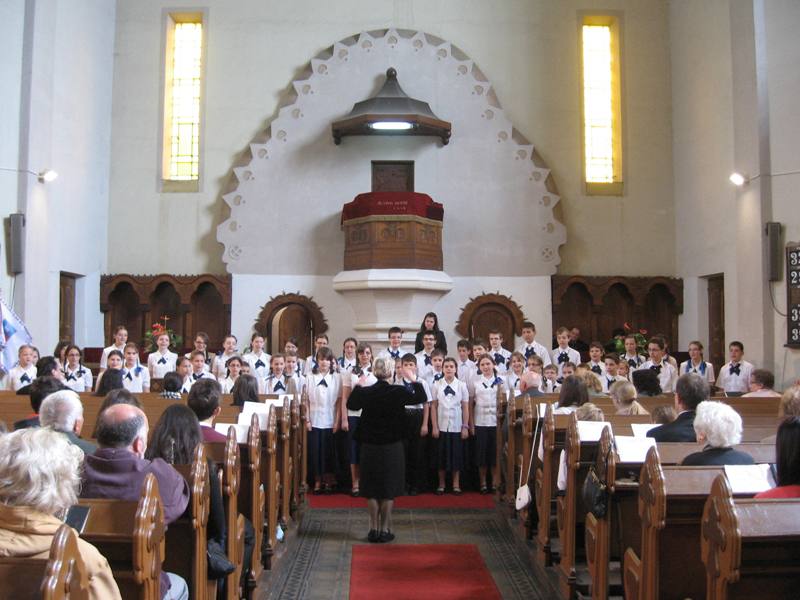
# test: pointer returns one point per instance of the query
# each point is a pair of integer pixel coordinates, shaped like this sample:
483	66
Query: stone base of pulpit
384	298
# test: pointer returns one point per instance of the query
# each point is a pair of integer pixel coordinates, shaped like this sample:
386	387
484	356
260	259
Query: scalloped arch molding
286	205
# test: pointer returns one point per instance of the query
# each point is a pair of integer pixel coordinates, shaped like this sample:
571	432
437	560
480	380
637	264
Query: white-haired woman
718	427
380	433
39	478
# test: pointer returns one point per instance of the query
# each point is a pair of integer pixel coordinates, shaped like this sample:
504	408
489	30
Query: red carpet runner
400	572
467	500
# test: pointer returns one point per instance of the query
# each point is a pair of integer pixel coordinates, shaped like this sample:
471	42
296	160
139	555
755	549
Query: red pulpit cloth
392	203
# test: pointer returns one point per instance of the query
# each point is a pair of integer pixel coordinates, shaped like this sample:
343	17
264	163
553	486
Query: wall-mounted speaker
16	243
774	251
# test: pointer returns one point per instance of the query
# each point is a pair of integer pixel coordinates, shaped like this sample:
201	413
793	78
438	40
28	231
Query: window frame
614	21
171	17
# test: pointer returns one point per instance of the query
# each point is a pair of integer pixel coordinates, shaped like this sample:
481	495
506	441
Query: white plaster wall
251	292
69	131
529	50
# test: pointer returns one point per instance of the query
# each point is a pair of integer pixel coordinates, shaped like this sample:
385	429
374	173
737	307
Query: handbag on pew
523	498
218	564
595	492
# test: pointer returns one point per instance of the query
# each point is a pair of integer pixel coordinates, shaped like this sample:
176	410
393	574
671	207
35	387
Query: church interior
288	172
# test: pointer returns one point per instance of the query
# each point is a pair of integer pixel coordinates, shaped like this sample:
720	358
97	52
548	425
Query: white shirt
259	363
79	380
190	379
513	381
135	379
466	370
704	369
424	371
500	358
666	378
449	398
572	356
549	387
227	385
268	384
485	396
634	362
19	377
731	382
387	353
160	364
104	356
608	381
593	366
350	380
323	393
527	350
347	364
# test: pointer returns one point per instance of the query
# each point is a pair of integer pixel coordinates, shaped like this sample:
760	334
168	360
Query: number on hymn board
794	258
795	314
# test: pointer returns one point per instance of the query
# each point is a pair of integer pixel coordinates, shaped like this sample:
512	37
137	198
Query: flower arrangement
639	336
151	336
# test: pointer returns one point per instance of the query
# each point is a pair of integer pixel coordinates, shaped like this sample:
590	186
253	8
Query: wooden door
716	321
292	320
492	316
576	310
66	307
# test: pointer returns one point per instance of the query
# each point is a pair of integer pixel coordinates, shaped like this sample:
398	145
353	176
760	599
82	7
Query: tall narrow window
602	114
182	90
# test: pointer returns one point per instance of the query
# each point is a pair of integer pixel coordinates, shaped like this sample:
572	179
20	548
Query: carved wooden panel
598	305
392	176
392	243
192	302
491	311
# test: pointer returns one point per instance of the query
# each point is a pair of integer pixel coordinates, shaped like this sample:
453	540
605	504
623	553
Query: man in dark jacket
690	391
118	468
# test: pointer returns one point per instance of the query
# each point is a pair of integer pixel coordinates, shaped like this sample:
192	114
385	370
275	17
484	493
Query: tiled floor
318	562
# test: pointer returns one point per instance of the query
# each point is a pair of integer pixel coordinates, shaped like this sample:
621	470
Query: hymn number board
793	294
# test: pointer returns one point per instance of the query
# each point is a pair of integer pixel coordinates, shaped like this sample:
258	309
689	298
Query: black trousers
415	449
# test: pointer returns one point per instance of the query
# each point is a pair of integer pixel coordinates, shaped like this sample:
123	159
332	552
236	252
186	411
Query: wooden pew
252	495
285	466
553	437
271	482
61	576
187	539
130	535
750	547
528	445
227	458
296	454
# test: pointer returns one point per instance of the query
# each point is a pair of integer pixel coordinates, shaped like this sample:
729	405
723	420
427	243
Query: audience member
172	383
245	390
719	428
623	395
39	390
40	475
110	380
664	414
787	455
646	382
204	402
573	393
62	411
761	383
690	390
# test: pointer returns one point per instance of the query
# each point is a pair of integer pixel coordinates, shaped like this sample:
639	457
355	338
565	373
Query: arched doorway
489	312
291	315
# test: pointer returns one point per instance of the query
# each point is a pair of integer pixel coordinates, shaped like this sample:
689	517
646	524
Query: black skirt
320	452
485	446
382	471
450	451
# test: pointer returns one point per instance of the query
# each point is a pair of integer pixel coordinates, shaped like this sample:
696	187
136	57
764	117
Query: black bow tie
395	354
656	368
197	376
596	369
735	369
71	377
323	382
409	386
25	378
563	357
427	360
278	386
631	363
162	361
516	382
529	352
499	359
128	376
448	391
438	376
260	363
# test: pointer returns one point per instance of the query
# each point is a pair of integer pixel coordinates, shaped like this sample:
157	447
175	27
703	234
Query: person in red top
787	455
204	401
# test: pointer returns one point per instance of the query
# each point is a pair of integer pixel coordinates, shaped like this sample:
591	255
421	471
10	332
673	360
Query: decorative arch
268	189
491	311
305	310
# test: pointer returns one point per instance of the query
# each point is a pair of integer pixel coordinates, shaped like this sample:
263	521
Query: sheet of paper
632	449
253	407
589	431
263	419
542	409
241	430
641	429
749	479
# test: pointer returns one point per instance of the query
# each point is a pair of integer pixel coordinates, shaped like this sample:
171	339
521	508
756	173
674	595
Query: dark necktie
25	378
197	376
529	352
735	369
279	386
71	377
438	376
499	359
631	363
128	376
162	361
448	391
395	355
323	382
260	364
563	357
596	369
427	360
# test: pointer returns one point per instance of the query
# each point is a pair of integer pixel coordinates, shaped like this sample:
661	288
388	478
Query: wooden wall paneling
208	311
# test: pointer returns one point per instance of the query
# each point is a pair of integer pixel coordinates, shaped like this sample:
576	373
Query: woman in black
380	433
431	323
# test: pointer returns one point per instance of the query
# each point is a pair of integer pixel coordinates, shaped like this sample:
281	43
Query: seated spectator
573	393
761	383
245	390
172	383
39	390
117	396
623	395
664	414
787	458
62	411
646	382
718	427
118	468
594	385
110	380
40	475
204	402
690	390
48	366
175	439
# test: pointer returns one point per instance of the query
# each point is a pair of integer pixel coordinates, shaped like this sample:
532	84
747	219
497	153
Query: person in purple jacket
118	468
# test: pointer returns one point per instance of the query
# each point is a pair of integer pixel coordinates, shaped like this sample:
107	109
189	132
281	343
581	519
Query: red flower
626	326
